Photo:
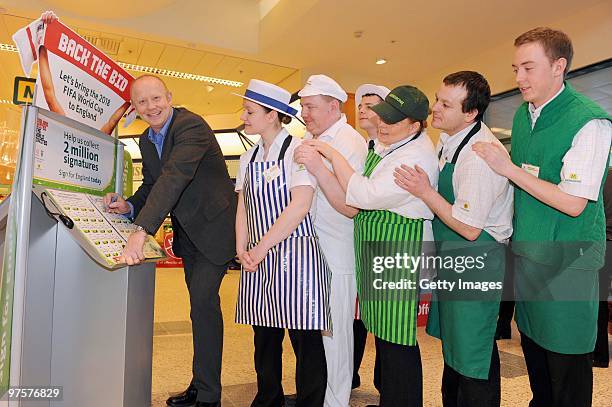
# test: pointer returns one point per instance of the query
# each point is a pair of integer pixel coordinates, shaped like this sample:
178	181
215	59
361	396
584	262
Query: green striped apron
390	314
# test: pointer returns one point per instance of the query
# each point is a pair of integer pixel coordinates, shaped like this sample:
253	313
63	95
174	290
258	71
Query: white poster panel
72	159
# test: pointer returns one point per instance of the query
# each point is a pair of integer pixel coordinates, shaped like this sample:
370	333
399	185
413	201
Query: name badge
272	173
531	169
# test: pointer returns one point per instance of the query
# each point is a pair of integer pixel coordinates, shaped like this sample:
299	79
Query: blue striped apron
290	288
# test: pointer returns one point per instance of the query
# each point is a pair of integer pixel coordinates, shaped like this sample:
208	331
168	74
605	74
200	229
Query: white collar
383	149
450	143
536	111
279	139
331	130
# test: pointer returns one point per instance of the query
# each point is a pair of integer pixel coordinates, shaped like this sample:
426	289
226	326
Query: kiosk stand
79	321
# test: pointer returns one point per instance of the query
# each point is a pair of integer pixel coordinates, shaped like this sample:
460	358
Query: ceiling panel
170	58
246	70
190	59
12	24
225	67
276	74
208	62
223	101
150	53
130	50
5	34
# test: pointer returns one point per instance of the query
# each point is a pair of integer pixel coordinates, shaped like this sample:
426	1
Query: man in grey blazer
185	175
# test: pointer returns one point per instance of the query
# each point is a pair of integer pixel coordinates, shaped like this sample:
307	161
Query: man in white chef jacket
321	100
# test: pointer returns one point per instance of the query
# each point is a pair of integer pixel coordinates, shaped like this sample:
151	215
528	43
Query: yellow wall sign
23	90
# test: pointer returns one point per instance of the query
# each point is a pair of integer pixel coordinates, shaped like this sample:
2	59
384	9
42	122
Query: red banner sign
75	79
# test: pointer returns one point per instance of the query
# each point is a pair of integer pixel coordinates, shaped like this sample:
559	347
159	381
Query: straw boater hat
269	95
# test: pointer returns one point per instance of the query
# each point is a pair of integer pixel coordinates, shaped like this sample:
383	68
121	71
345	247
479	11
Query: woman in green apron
473	207
391	222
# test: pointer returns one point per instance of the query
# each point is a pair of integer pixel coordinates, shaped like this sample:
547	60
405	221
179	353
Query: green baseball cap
403	102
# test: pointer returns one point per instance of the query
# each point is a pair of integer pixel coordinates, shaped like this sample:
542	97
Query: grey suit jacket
190	182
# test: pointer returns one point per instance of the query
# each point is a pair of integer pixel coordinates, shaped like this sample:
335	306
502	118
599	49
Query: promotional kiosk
77	327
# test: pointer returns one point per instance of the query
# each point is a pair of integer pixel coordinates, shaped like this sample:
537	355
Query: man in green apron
473	208
560	149
601	353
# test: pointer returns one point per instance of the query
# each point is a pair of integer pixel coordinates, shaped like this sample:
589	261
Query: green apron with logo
390	314
465	321
558	255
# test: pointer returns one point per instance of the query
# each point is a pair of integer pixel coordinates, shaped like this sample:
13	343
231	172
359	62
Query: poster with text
77	80
67	158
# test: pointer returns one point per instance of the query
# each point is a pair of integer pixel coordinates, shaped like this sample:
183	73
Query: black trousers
360	335
462	391
601	354
504	320
310	370
203	280
506	306
556	379
401	375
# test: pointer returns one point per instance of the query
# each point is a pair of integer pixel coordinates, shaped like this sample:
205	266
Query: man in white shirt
472	203
321	100
560	150
366	96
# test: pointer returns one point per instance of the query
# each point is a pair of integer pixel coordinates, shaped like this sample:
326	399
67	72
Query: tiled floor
172	355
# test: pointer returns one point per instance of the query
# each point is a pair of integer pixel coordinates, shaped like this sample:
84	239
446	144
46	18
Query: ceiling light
157	71
381	61
6	102
179	75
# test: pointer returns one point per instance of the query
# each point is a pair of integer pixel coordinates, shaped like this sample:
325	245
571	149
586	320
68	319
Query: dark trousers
377	367
462	391
506	306
360	334
310	370
401	375
203	280
504	321
601	354
556	379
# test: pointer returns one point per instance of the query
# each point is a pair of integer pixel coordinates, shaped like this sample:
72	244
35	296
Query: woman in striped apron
284	281
391	222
